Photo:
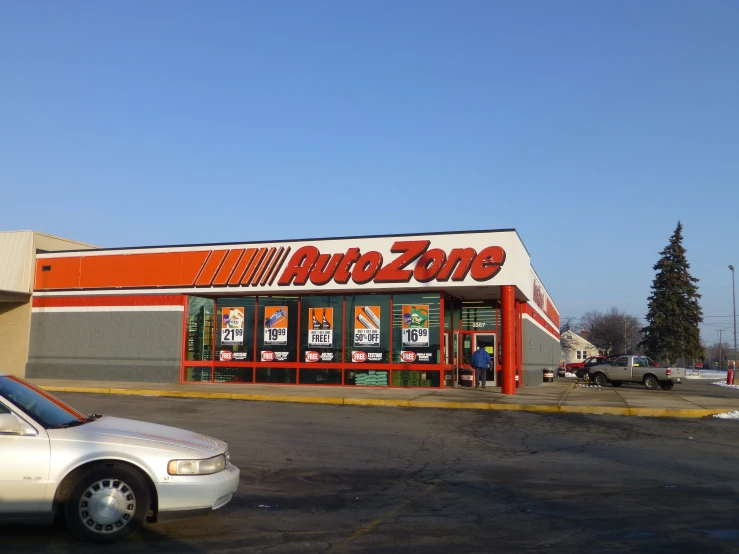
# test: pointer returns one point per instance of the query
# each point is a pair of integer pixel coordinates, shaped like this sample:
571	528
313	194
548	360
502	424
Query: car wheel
616	383
600	379
651	383
667	385
107	503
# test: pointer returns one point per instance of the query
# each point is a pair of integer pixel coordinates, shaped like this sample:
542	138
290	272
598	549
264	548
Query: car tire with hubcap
651	383
107	503
600	379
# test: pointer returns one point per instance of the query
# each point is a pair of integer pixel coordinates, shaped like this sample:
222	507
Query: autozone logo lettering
413	260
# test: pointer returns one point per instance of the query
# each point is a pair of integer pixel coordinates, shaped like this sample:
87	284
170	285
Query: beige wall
15	330
51	243
17	269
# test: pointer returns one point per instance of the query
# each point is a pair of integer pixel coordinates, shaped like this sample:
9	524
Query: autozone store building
386	311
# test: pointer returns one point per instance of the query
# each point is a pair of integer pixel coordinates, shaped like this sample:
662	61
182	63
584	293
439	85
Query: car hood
116	430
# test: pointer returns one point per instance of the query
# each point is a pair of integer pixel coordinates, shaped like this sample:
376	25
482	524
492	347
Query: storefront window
410	378
416	328
235	329
367	378
321	326
320	376
277	329
199	329
198	374
479	315
367	328
452	313
234	374
284	375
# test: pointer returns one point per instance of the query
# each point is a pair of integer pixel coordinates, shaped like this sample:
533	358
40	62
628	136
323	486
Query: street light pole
733	297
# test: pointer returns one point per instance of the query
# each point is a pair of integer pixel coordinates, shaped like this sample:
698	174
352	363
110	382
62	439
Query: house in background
575	348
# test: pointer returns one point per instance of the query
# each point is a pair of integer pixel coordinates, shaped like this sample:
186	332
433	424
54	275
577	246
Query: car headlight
197	467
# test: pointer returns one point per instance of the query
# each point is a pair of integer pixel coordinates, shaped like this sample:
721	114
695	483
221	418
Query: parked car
635	369
578	367
106	475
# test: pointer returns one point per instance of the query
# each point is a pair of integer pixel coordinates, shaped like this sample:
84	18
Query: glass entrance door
451	357
487	341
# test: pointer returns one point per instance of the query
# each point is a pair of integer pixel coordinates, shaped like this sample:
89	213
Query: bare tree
612	331
721	355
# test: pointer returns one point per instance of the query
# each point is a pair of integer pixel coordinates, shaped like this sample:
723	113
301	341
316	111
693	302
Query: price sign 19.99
275	325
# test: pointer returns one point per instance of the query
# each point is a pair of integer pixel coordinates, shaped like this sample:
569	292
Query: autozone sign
413	260
444	260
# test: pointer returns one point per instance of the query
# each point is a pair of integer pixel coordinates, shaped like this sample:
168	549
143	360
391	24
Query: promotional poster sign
312	356
232	326
270	356
275	325
320	332
415	329
367	326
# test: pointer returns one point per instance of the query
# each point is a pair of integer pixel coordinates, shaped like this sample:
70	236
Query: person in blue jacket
480	363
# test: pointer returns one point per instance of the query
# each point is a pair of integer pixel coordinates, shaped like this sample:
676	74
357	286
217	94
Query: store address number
478	324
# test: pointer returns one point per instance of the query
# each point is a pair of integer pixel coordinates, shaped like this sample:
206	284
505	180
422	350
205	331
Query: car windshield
48	411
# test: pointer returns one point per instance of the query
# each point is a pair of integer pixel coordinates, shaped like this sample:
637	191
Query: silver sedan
106	474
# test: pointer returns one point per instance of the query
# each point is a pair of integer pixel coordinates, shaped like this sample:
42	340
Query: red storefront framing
343	366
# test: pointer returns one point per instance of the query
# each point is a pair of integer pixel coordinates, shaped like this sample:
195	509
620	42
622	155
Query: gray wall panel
540	350
106	346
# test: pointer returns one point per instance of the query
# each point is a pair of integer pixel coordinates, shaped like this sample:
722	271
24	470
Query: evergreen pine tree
674	312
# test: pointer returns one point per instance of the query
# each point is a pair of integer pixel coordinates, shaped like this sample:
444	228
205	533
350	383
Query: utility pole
733	297
626	344
720	359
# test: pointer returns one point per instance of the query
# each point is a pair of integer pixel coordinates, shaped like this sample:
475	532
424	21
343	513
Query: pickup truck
635	369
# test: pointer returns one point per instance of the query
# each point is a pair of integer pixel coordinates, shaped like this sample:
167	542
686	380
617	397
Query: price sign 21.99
232	325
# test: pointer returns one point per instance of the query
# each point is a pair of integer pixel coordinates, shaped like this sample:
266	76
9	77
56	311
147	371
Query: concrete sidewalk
562	396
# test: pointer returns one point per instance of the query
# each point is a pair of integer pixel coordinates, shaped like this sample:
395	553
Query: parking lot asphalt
692	398
332	479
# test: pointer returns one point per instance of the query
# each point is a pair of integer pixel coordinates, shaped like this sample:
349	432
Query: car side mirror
10	425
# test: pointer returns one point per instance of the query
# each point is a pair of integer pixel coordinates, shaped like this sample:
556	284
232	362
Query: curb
535	408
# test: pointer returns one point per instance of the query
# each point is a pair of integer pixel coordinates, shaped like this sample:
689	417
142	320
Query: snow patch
704	374
723	384
728	415
569	375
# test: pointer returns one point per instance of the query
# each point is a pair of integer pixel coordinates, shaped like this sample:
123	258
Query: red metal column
519	341
509	339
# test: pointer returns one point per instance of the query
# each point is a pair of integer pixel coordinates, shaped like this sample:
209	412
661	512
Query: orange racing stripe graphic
211	268
253	267
228	267
238	273
263	266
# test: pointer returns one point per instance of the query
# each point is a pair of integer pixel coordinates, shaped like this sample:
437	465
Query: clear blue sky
591	127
